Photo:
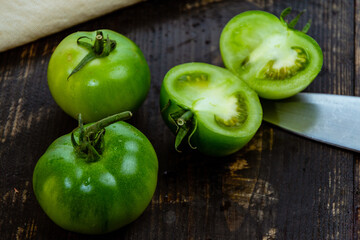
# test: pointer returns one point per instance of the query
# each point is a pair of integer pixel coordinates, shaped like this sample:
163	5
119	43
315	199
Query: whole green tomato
92	181
98	74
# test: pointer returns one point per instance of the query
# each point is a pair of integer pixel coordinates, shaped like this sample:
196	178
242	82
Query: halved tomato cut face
209	105
275	60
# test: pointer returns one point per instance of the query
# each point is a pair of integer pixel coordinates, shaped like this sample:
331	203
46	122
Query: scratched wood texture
357	93
280	186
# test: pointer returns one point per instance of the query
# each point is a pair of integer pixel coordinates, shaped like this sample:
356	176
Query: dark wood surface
280	186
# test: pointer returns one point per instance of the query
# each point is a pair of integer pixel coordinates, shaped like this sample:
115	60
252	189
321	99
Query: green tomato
98	74
276	60
97	184
211	107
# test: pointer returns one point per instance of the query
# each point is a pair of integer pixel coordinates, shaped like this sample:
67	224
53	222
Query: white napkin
23	21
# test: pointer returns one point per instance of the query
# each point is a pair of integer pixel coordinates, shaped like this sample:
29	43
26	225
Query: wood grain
357	93
279	186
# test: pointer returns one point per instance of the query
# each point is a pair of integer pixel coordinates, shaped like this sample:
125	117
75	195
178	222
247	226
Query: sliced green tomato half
276	60
219	112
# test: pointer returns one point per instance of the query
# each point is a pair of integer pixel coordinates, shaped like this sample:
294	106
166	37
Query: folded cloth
23	21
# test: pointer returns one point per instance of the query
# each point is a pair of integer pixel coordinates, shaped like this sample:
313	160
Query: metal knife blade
327	118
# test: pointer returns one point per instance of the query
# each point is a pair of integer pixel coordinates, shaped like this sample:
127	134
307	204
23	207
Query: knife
327	118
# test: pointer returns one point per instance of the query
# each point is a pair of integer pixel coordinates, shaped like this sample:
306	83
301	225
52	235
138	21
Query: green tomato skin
244	33
102	196
104	86
205	139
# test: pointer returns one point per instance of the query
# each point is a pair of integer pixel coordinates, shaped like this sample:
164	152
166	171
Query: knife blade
327	118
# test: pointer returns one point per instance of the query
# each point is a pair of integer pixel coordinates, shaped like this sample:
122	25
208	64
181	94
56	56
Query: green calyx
90	143
101	48
186	125
293	22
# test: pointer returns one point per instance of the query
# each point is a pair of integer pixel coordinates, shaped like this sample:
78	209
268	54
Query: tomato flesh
275	60
228	113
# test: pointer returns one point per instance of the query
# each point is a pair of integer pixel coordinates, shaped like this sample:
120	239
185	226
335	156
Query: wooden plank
279	186
314	212
357	93
357	47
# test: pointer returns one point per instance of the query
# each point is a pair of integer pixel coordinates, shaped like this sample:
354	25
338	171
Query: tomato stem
284	13
306	27
91	139
101	48
185	117
186	126
293	22
99	125
98	45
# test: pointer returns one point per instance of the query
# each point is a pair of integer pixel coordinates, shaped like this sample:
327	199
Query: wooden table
280	186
